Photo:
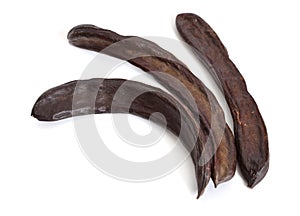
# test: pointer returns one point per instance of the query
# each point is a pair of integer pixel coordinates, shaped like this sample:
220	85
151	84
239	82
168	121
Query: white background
42	169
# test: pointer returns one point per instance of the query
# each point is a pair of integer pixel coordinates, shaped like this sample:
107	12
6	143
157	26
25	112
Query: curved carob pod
58	103
150	57
249	128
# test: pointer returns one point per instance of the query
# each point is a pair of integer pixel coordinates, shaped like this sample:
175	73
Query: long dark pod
150	57
249	127
74	99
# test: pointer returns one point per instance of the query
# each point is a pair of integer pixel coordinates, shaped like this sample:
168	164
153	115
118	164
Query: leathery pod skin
249	128
57	104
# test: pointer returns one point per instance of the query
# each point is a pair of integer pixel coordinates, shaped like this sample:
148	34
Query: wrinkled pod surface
249	128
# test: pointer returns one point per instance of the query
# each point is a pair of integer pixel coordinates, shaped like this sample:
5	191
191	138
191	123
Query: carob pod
96	96
150	57
249	128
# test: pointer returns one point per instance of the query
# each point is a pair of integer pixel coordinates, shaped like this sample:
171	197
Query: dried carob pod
249	128
150	57
96	96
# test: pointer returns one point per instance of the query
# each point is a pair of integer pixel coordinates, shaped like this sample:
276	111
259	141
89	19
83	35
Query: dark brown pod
250	130
96	96
150	57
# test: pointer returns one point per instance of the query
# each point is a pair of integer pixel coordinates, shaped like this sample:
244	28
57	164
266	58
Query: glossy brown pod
250	131
76	98
150	57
